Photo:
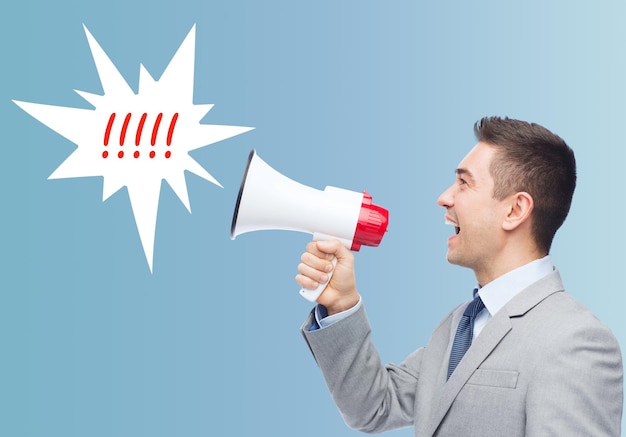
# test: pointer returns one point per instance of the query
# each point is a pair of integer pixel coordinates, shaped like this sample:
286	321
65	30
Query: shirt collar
500	291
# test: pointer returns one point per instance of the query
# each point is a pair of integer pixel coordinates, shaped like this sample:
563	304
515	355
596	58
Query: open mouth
457	229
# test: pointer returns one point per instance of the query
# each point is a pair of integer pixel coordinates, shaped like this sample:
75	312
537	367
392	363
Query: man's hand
341	293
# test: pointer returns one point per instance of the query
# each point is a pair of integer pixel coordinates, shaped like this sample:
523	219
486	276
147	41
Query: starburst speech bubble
137	140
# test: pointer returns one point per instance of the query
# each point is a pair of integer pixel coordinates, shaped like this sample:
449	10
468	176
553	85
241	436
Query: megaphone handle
312	295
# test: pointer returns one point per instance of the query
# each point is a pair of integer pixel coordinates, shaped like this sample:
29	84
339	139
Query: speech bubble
137	140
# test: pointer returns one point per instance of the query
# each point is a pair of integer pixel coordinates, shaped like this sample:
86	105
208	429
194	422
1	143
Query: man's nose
446	199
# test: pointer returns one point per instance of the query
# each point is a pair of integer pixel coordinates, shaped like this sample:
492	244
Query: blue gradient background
360	95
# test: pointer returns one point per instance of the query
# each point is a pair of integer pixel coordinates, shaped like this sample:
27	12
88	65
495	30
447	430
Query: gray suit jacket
542	366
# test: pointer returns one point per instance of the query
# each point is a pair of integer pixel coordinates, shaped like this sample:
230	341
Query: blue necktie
464	332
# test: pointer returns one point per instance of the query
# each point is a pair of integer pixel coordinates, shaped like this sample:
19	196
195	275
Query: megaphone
268	200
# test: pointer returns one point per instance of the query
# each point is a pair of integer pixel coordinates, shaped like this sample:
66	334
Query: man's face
476	216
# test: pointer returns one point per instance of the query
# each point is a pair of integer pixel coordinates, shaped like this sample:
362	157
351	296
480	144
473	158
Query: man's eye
462	181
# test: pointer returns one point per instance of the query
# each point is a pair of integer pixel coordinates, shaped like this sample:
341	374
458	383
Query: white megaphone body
268	200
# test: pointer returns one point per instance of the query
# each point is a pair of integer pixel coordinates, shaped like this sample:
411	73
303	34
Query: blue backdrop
360	95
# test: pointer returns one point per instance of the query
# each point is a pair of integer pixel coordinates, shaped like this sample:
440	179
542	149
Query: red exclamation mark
120	154
138	135
170	132
155	130
107	134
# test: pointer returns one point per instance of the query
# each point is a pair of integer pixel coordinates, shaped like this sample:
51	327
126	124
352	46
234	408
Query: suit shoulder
561	315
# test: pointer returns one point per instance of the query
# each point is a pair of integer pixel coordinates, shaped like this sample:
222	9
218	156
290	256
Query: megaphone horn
268	200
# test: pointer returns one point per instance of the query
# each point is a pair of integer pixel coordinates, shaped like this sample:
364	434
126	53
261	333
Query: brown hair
530	158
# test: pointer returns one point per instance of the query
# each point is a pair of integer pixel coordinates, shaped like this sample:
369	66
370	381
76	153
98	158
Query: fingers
308	283
340	291
315	266
316	263
314	270
322	250
322	264
345	258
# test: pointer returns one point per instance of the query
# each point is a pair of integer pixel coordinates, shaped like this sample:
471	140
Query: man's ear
519	210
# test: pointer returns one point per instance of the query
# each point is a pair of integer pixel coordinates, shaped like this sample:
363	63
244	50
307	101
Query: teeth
457	229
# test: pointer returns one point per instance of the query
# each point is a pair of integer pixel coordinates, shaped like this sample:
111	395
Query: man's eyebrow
464	172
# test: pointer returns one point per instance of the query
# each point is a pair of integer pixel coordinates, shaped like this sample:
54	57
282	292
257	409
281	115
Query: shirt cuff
323	319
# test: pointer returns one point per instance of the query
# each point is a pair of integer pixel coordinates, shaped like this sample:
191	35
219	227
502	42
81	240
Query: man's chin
455	260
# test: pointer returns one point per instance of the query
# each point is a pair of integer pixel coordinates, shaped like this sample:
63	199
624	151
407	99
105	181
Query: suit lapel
499	327
493	333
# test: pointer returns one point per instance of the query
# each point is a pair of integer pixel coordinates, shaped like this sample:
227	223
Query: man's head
512	192
531	159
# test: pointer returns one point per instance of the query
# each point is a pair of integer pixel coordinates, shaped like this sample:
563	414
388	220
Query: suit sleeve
371	397
582	394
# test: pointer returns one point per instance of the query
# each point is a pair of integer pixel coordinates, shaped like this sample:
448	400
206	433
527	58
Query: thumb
334	248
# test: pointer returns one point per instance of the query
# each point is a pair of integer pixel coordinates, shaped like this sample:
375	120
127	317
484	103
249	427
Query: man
539	364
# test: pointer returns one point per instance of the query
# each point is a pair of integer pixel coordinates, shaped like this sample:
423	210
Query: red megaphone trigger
372	224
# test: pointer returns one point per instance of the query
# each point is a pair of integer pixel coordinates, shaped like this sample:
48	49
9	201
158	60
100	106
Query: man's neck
507	264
